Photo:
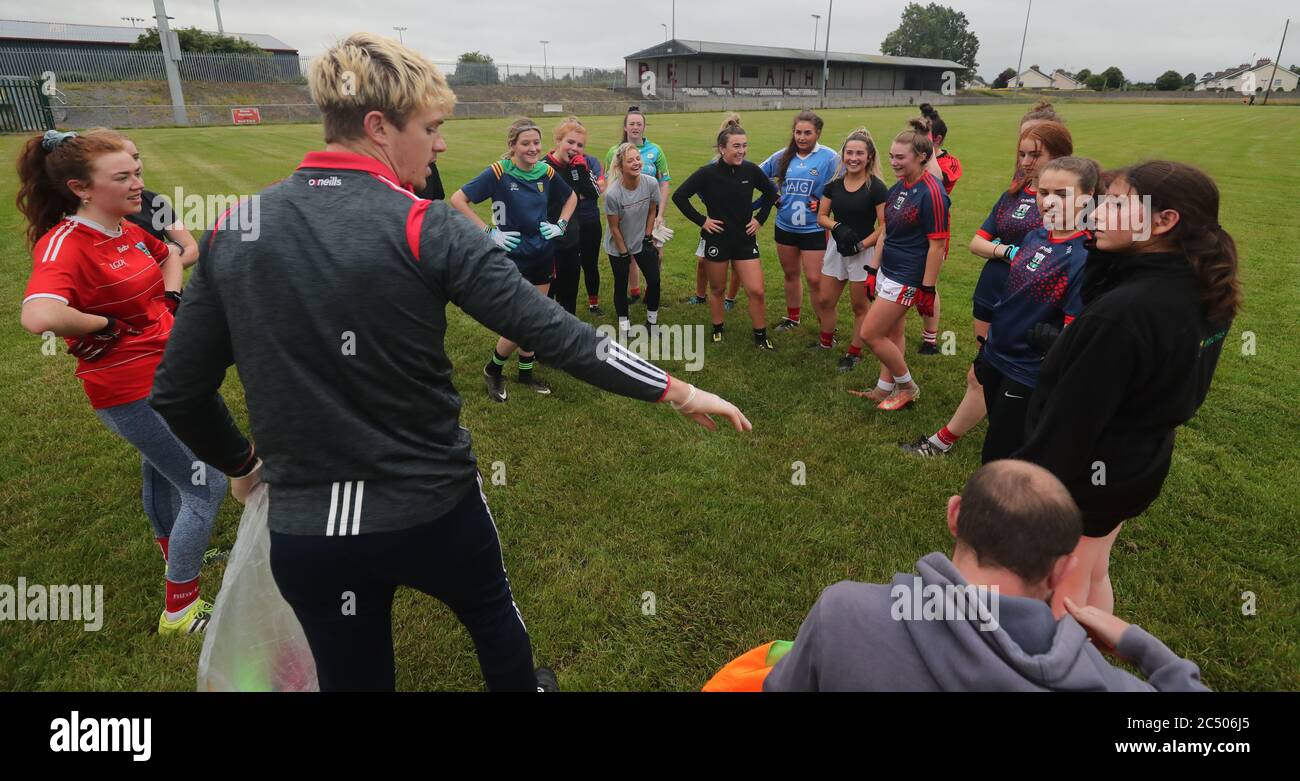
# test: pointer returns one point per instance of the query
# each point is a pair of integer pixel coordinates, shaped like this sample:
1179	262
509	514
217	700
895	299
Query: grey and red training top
333	309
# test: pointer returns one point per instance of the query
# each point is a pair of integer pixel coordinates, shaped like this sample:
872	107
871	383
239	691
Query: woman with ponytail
1160	294
852	208
98	281
800	171
948	163
578	251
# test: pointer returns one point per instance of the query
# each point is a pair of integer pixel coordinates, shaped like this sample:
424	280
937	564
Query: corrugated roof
100	33
679	46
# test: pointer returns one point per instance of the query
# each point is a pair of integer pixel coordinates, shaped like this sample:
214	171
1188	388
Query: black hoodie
1135	365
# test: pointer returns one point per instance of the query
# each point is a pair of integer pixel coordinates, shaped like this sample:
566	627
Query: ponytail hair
730	127
1042	111
630	111
1209	248
873	154
917	136
937	126
45	166
792	147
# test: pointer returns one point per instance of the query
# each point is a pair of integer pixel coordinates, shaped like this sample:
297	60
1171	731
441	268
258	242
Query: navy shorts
811	241
988	290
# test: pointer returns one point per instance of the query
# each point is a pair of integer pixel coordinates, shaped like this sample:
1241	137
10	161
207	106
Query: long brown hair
792	147
872	168
46	164
1209	248
1053	137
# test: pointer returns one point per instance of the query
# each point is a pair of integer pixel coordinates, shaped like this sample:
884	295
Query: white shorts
850	269
699	251
897	292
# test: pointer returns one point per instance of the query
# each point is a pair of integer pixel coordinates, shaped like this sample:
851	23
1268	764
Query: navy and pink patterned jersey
1044	286
913	216
1012	217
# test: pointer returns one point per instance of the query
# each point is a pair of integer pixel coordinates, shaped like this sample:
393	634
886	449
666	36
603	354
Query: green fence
24	108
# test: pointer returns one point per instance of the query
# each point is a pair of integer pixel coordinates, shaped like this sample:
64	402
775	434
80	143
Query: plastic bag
254	641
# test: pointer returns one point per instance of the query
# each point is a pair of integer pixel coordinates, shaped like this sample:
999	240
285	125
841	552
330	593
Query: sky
1144	38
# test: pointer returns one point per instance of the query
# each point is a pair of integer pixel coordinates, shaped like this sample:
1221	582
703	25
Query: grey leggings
173	478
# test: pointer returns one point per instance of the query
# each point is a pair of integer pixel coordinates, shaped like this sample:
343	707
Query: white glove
662	233
552	230
241	487
506	240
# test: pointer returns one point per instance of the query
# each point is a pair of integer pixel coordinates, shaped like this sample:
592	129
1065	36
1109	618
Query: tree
1189	81
193	39
1114	77
1169	81
1096	82
934	32
474	68
1004	78
1083	76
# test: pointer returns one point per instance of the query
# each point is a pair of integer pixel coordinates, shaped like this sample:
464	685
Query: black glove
93	346
172	300
649	252
1042	336
580	179
846	239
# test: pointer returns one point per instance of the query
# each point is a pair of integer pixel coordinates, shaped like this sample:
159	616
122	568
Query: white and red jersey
115	274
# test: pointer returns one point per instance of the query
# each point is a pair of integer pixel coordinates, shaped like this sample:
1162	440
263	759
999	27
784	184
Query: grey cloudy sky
1143	37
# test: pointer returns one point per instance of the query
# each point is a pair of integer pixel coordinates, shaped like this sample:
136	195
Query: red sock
593	300
636	291
792	313
162	543
828	338
947	437
928	336
180	595
855	351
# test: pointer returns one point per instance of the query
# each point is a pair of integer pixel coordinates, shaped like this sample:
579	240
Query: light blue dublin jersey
803	181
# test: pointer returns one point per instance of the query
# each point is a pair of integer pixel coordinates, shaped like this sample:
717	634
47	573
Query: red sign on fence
246	116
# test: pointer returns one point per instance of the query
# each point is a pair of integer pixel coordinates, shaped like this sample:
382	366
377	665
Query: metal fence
77	65
23	106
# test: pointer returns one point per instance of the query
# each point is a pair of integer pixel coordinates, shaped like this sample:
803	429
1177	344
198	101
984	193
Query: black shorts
814	241
993	278
721	247
537	272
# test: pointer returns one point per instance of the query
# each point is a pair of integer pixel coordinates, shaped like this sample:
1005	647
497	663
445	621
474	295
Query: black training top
155	215
1135	365
728	195
856	208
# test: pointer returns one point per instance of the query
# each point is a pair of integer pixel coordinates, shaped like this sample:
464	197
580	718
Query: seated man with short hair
981	621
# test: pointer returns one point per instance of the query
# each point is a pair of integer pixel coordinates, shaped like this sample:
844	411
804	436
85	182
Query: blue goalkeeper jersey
803	182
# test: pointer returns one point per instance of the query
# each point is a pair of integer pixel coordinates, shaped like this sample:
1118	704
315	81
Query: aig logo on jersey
326	181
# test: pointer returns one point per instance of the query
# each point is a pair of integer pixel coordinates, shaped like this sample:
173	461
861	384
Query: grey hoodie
851	642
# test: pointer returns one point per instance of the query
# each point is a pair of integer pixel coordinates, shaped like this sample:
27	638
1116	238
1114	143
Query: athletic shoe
928	349
875	395
902	396
496	385
215	554
764	344
192	621
849	362
817	344
536	385
922	447
786	324
728	304
633	299
697	300
717	336
546	680
595	311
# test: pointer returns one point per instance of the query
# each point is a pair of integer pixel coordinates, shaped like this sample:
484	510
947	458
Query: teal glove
553	230
506	240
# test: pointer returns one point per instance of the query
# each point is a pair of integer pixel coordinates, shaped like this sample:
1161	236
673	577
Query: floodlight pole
826	53
169	64
1023	36
1269	91
216	6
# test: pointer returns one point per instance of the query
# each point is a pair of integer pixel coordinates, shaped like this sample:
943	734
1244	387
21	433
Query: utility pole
1269	91
1023	36
216	6
826	53
170	58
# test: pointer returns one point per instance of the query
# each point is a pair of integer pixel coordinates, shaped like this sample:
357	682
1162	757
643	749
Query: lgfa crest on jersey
140	246
1020	212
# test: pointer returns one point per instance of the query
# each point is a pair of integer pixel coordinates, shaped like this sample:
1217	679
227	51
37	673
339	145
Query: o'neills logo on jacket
329	181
